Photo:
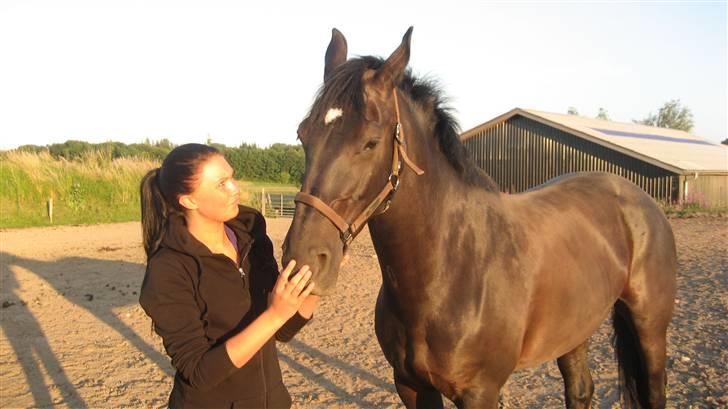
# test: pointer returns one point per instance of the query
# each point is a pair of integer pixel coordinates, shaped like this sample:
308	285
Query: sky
247	72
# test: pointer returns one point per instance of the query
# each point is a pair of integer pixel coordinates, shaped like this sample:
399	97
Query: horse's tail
630	359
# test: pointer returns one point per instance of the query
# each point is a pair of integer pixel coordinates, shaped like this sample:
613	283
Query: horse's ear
390	74
336	53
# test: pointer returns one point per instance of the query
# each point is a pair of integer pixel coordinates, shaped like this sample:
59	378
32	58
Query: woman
212	287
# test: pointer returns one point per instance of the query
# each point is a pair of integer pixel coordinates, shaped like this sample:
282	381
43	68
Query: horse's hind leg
417	397
578	384
644	367
642	315
653	340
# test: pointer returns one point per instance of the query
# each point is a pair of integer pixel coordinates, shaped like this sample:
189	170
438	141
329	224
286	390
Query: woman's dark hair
161	188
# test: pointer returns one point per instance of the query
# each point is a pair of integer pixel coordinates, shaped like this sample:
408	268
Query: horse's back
650	233
616	207
593	190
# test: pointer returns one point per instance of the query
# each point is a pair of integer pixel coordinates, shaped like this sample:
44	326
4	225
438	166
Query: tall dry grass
96	188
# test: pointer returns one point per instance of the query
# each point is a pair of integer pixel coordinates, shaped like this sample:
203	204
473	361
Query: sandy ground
73	334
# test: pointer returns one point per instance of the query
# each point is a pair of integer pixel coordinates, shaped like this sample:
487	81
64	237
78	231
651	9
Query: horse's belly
549	340
566	312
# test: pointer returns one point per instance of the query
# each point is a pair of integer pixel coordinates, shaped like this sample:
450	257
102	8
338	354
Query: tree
725	141
572	111
603	114
672	115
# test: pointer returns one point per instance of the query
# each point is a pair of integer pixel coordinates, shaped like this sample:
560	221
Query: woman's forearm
246	343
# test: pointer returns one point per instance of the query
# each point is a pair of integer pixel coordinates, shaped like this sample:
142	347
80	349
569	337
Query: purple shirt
231	235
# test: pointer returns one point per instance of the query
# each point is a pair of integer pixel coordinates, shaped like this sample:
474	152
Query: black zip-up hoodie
197	300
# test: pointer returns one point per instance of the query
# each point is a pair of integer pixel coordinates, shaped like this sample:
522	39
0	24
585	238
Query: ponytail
154	212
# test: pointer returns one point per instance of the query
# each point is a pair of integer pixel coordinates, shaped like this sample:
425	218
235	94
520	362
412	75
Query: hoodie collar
177	237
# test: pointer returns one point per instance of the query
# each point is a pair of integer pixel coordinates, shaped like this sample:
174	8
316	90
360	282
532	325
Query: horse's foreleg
578	385
484	396
417	396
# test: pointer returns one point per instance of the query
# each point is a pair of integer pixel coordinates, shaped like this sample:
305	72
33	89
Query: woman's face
217	194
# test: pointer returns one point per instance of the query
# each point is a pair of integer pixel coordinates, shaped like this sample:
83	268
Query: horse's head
354	153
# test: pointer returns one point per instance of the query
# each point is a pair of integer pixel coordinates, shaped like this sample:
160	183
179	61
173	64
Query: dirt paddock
73	334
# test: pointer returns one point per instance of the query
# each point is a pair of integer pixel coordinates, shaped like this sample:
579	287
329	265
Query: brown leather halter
349	231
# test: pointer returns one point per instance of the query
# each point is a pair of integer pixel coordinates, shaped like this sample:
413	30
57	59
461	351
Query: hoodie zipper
242	259
240	268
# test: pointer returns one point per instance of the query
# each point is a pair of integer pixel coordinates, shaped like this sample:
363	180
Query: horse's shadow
26	336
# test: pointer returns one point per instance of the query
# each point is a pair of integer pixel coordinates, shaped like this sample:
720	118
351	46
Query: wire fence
272	203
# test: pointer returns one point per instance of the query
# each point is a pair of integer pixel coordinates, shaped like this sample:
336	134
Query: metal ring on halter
394	180
346	237
386	207
397	130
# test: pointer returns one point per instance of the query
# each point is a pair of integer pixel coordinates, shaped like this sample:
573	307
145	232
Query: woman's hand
287	296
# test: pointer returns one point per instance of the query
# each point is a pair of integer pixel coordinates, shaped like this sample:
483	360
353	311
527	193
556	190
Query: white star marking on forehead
332	115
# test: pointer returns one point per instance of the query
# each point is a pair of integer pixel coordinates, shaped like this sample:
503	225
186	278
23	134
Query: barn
524	148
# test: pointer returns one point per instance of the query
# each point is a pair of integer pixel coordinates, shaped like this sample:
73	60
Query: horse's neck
425	211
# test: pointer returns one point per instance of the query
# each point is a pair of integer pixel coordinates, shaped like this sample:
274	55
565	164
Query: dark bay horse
476	283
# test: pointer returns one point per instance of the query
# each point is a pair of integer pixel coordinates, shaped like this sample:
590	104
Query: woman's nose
234	188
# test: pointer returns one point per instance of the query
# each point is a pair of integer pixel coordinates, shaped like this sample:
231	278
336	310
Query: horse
475	283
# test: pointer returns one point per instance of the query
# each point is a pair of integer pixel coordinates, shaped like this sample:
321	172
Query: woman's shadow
26	336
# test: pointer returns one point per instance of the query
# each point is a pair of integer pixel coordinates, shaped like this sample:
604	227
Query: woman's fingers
289	268
301	284
280	284
302	273
344	260
307	291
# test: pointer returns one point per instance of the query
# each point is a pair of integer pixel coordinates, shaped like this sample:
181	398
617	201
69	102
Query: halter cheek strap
348	231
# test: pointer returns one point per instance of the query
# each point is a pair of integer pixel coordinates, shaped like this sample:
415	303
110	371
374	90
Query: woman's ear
188	202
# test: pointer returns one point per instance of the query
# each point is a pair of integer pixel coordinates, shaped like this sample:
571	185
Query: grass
278	187
94	189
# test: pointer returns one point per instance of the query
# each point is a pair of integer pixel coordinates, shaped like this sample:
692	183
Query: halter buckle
397	131
347	237
394	180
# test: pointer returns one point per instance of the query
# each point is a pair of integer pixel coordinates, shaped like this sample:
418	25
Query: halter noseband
349	231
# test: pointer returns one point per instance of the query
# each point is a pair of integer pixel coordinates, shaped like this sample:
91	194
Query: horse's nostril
322	256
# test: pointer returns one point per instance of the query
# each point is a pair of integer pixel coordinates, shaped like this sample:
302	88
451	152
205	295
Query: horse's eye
371	144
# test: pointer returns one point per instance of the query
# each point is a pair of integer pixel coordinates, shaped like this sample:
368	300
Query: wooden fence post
262	201
49	207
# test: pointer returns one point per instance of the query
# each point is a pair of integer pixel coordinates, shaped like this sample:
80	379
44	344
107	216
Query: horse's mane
344	89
